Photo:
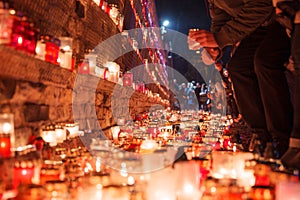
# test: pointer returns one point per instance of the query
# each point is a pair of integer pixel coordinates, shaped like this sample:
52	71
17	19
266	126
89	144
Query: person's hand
203	37
193	44
206	58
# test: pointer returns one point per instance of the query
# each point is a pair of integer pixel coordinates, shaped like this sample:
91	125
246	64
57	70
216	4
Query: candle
6	23
65	53
128	79
287	190
23	173
6	135
40	48
61	134
49	135
84	67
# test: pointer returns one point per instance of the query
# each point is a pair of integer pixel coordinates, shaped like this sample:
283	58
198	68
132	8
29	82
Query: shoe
253	142
256	145
291	158
280	148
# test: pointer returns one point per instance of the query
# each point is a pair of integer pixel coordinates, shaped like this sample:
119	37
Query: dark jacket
233	20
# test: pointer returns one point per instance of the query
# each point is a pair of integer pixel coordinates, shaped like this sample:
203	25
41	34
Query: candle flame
2	144
24	172
20	40
7	127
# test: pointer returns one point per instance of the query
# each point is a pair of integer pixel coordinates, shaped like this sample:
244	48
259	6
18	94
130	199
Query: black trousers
258	75
296	91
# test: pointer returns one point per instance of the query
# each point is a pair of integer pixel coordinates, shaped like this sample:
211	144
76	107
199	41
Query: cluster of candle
16	30
55	134
113	12
144	155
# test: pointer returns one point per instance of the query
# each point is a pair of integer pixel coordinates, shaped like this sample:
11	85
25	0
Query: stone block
35	112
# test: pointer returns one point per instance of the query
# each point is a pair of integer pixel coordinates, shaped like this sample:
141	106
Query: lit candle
84	67
114	70
92	59
65	59
61	134
6	135
23	173
128	79
5	146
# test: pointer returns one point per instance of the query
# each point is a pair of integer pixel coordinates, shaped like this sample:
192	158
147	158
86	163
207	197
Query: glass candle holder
61	134
40	49
84	67
6	23
7	137
49	135
65	53
18	31
23	172
57	189
92	59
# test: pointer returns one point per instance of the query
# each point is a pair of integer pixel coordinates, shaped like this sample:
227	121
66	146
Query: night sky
183	15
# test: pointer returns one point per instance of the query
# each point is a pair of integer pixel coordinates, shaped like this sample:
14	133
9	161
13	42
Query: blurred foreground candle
229	164
161	185
23	172
148	146
287	191
188	180
7	138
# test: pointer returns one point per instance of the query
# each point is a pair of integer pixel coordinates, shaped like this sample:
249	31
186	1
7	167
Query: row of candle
113	12
16	30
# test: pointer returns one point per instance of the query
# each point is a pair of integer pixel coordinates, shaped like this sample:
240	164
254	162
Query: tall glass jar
7	137
6	23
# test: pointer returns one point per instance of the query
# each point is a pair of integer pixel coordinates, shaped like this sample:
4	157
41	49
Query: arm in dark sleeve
249	17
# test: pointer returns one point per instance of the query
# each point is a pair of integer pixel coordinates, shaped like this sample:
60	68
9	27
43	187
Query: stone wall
37	92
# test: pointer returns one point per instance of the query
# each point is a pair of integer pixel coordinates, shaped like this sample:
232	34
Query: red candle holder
5	146
23	173
84	67
127	79
18	32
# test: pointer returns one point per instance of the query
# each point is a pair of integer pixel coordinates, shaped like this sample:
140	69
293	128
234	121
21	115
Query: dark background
183	15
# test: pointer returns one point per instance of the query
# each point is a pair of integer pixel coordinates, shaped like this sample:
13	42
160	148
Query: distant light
166	23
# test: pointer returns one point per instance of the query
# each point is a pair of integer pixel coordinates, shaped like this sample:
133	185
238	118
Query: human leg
245	83
292	157
269	61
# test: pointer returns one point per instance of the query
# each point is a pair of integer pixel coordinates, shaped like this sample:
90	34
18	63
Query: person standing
291	9
197	93
261	47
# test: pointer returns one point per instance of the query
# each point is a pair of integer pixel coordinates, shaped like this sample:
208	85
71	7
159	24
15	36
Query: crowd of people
263	36
210	97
